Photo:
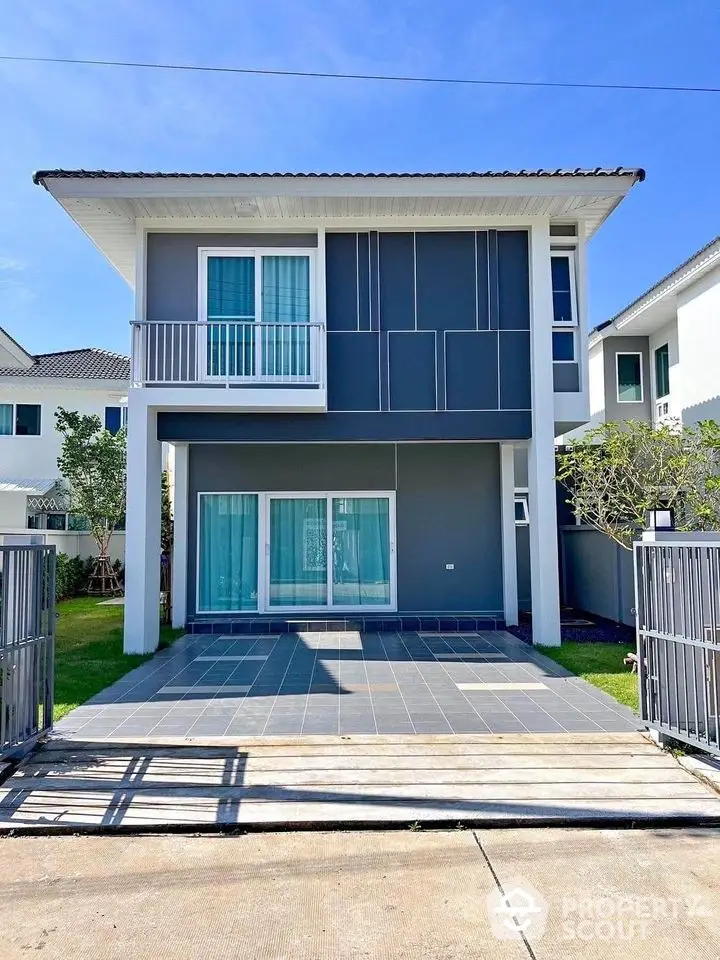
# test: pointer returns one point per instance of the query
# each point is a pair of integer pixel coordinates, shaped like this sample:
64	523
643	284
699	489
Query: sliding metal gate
677	599
27	644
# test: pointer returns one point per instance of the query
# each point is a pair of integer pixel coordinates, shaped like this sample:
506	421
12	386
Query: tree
619	471
93	462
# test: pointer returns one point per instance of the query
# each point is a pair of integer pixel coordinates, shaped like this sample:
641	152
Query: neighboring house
32	387
348	367
658	358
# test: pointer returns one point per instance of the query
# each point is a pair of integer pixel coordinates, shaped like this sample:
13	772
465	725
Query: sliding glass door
278	552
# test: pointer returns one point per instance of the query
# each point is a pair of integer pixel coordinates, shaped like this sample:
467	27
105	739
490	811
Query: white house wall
698	331
36	457
667	335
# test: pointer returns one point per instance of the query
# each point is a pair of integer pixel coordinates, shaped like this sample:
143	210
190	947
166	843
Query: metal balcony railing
227	353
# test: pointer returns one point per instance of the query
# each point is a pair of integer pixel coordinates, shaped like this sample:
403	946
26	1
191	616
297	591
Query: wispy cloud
12	264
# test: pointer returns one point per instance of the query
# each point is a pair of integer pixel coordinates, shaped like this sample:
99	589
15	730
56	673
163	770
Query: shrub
73	574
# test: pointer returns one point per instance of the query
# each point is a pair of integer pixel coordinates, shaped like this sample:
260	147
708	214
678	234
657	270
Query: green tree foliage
93	462
619	471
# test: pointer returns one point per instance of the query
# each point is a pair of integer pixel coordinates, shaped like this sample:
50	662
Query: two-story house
349	366
32	387
658	358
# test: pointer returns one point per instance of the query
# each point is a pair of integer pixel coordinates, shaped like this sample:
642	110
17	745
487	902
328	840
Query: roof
36	487
110	205
42	175
690	270
88	363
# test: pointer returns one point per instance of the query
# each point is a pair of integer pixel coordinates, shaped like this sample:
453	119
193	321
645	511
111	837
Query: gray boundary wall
597	574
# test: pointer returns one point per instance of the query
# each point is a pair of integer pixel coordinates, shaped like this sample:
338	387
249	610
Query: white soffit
107	209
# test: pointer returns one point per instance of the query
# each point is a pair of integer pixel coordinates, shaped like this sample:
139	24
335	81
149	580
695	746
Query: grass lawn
88	650
601	664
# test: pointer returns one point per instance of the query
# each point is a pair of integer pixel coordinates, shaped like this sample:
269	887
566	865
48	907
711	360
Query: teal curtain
228	554
361	551
6	419
286	302
629	377
231	296
298	552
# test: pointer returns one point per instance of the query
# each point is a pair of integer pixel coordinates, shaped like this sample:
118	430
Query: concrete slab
280	782
345	896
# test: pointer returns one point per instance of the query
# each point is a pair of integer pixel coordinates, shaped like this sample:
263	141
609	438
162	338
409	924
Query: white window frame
568	255
25	436
257	253
566	328
629	353
263	573
522	495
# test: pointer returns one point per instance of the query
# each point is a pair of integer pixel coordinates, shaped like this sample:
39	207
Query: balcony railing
227	353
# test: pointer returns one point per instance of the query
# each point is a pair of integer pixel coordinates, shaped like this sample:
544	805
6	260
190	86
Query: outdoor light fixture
660	519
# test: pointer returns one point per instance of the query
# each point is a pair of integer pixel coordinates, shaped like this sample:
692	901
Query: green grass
601	664
88	651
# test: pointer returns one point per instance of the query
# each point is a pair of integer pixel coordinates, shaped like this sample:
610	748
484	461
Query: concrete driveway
347	683
344	896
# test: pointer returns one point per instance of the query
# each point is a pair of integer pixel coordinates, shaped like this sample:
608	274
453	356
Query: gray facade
615	411
428	335
447	508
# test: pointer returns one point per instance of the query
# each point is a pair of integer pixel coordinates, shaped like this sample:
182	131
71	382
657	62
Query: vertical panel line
357	279
477	306
415	278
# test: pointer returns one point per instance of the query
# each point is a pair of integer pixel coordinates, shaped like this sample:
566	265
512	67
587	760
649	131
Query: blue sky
57	291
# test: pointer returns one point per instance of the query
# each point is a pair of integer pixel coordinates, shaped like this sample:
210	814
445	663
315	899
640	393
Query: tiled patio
346	683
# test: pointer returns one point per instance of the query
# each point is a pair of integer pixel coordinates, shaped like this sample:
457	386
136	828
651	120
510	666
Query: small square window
521	511
629	378
27	419
563	342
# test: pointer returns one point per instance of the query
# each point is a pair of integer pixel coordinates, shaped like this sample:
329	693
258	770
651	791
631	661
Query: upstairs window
662	371
115	418
562	267
20	419
629	377
563	344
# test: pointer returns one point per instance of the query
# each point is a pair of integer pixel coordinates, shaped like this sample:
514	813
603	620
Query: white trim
544	575
509	541
568	255
263	572
522	499
180	535
140	272
629	353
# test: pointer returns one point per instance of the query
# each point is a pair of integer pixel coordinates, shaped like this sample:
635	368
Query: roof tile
89	363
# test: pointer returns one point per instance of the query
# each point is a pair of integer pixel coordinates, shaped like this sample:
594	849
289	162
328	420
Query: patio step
352	781
431	623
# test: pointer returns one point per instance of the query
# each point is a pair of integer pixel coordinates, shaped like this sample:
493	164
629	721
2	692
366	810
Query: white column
544	577
180	531
142	533
509	539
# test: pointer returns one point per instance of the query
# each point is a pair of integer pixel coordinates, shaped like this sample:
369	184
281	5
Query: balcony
231	363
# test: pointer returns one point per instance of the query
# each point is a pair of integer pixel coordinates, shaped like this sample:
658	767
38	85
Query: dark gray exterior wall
420	325
625	411
447	508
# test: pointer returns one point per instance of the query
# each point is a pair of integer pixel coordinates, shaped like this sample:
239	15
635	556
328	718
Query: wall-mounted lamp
663	519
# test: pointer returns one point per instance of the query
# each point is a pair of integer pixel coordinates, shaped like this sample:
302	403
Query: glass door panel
286	310
298	552
361	551
228	552
230	339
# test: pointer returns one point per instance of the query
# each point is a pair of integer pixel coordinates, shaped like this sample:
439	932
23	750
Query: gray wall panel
446	297
483	291
341	251
447	508
411	363
625	411
363	240
566	377
448	511
397	281
353	371
514	370
471	359
597	575
513	280
193	426
172	266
